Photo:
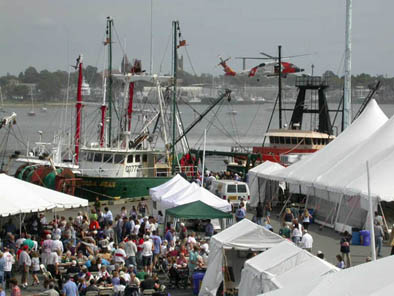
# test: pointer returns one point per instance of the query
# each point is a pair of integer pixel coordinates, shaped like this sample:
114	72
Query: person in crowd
192	262
15	290
307	241
296	234
267	225
70	288
240	213
340	263
9	260
209	230
306	219
288	217
285	231
131	250
320	254
259	213
345	248
379	235
147	254
24	265
182	231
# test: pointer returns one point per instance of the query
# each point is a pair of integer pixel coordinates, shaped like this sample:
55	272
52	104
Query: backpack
240	213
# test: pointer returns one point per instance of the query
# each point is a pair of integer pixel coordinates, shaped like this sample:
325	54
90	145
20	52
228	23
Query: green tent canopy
196	210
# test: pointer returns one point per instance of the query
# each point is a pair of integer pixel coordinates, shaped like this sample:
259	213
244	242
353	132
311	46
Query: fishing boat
288	144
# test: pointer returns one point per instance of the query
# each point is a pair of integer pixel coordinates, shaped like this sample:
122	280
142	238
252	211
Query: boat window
137	158
107	158
293	140
130	158
144	157
98	157
308	141
89	156
119	158
281	140
272	140
231	188
242	188
287	139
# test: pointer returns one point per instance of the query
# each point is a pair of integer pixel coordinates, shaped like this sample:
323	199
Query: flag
181	43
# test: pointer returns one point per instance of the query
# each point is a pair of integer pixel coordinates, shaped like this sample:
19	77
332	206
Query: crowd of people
100	250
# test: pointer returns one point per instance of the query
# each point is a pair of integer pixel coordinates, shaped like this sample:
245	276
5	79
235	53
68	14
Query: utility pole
347	95
175	25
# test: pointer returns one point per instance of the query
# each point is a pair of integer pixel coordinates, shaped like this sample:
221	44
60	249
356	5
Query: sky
50	34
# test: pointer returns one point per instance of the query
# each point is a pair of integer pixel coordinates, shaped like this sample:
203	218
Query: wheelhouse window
130	158
98	157
137	158
119	158
89	156
144	157
308	141
288	140
107	158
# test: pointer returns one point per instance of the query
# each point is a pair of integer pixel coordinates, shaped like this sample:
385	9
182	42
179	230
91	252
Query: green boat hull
116	188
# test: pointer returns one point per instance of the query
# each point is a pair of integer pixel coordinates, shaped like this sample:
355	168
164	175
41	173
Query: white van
233	191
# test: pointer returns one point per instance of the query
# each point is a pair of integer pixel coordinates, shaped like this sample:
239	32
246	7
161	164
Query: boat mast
280	84
109	90
175	26
347	103
78	106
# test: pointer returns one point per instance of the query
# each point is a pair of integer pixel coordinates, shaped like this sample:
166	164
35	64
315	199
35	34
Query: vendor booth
230	249
281	266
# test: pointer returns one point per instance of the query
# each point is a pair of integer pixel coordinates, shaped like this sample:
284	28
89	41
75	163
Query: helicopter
269	68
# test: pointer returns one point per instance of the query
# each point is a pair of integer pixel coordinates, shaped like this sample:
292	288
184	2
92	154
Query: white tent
372	278
258	185
283	265
20	197
244	235
173	185
193	193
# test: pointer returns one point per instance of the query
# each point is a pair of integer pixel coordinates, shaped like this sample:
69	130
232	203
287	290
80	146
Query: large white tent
20	197
329	175
372	278
173	185
283	265
193	193
244	235
260	187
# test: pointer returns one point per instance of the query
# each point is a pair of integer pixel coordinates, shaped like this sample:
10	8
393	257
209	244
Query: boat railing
133	171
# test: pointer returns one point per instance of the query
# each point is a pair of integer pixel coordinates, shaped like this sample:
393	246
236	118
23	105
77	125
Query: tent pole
371	215
284	206
384	217
339	209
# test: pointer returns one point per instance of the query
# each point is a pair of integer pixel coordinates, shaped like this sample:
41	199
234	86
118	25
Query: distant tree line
52	86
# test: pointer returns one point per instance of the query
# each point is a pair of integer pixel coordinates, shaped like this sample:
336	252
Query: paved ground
325	240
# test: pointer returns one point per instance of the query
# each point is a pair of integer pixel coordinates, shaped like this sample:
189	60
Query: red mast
130	107
79	108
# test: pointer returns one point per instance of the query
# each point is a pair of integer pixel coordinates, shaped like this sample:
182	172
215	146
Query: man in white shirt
57	244
131	251
9	260
307	241
24	263
120	254
108	217
147	253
